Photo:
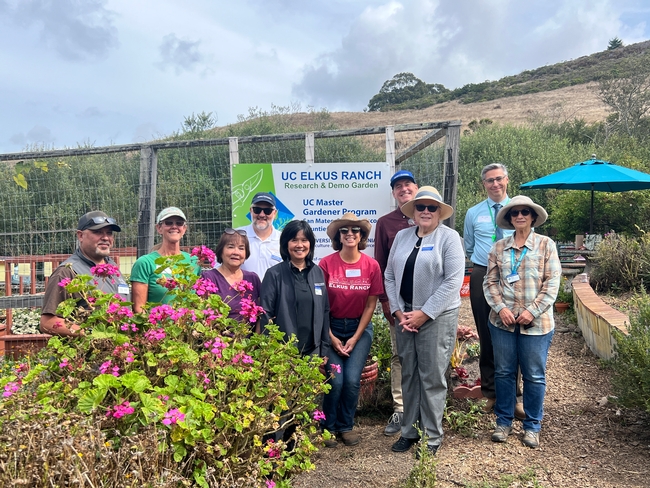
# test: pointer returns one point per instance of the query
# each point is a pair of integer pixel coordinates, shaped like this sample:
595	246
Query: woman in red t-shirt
353	282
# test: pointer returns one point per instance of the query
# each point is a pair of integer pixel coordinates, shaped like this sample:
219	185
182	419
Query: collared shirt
480	226
539	274
385	231
264	254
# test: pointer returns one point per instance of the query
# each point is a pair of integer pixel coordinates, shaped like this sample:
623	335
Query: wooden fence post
452	148
147	199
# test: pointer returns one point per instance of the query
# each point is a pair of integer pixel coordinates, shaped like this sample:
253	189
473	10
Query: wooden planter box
17	346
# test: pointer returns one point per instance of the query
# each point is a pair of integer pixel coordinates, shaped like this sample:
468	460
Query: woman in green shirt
171	224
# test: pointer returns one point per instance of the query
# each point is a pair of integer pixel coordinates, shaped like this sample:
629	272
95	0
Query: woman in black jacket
296	288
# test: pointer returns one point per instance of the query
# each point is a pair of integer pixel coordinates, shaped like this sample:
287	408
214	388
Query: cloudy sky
120	71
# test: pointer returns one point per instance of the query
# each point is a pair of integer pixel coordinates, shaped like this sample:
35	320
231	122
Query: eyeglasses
99	220
171	223
230	232
498	179
524	211
345	230
430	208
266	210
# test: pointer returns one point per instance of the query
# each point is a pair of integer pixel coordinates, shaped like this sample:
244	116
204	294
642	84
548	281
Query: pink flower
243	286
204	287
117	312
318	415
108	368
206	254
155	335
64	364
160	313
270	484
125	351
105	270
336	368
64	282
11	388
127	327
204	377
119	411
168	283
244	358
272	450
173	416
250	310
216	346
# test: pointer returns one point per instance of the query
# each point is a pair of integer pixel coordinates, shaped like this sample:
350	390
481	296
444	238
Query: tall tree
614	43
402	87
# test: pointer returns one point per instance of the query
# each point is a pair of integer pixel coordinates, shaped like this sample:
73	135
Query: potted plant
564	298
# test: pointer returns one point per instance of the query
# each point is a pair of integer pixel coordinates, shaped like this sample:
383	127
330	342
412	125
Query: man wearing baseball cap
404	189
263	238
95	236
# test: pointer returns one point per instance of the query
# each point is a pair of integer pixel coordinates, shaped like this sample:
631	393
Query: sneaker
331	442
350	438
530	439
519	411
394	424
489	405
501	433
432	450
403	444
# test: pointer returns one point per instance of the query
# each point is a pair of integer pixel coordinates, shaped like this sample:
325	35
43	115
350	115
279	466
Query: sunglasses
100	220
230	232
266	210
498	179
171	223
430	208
345	230
524	211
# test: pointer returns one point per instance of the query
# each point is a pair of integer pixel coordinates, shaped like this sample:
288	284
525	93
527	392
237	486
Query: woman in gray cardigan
295	288
423	280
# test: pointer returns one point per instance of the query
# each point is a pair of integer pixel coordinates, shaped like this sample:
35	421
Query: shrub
26	321
631	380
621	263
181	377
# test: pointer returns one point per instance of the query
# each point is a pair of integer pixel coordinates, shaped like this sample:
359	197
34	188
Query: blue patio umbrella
595	175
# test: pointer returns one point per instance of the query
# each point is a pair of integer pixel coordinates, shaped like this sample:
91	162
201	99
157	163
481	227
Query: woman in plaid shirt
521	284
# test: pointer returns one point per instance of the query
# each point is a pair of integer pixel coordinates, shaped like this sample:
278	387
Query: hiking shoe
403	444
350	438
530	439
432	450
519	411
394	424
489	405
501	433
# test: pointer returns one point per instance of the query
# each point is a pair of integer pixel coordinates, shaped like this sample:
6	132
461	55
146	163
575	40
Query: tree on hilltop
614	44
401	88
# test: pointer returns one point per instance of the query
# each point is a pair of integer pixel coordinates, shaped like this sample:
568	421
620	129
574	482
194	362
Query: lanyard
494	217
515	264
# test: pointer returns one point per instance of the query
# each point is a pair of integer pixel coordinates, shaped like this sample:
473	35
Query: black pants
481	312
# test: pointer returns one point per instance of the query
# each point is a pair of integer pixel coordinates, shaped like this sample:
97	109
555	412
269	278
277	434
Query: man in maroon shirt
404	189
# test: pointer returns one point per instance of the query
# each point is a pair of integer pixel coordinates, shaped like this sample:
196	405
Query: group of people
416	275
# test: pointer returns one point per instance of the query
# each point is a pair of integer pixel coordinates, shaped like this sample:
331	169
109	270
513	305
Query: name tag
352	273
318	290
484	218
275	257
427	248
512	278
123	289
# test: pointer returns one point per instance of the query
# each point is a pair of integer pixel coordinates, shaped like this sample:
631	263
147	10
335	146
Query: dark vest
81	265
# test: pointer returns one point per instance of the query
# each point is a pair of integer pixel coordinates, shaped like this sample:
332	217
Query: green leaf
136	381
21	181
91	400
106	381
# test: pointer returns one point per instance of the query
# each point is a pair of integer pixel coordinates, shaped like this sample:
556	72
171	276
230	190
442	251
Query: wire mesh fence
44	193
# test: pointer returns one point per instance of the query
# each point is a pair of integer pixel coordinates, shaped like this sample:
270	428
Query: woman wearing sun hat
520	285
353	282
171	224
423	278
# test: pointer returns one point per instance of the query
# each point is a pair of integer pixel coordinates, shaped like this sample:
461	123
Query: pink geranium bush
198	385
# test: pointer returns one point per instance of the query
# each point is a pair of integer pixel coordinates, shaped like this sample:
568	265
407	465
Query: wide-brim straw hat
518	201
428	193
348	219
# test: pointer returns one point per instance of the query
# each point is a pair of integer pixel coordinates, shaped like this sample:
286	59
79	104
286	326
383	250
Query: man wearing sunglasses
403	188
95	237
263	238
480	233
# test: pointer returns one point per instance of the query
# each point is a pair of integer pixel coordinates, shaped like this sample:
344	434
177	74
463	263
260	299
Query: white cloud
180	54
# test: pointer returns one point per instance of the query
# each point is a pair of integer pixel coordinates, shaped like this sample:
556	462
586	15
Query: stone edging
596	319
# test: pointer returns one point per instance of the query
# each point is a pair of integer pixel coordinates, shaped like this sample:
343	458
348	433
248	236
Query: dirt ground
586	441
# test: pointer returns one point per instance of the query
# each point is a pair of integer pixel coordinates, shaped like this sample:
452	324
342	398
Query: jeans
528	352
340	404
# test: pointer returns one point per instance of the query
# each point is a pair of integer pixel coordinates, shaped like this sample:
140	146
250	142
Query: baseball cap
170	212
263	197
400	175
96	220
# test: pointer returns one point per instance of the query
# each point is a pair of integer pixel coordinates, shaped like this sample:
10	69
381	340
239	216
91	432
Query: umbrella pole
591	217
